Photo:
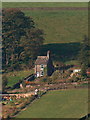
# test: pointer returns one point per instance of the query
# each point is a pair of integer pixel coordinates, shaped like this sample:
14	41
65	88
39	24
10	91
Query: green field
59	104
44	4
63	30
59	26
14	77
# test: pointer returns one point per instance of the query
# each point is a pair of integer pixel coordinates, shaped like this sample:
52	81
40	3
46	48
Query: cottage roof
41	60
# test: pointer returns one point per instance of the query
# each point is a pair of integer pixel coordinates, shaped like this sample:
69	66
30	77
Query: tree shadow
61	51
86	117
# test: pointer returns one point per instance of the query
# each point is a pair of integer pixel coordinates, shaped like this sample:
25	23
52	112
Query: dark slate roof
41	60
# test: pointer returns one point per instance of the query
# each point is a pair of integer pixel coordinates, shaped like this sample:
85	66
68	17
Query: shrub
44	79
77	77
55	75
12	103
4	82
66	74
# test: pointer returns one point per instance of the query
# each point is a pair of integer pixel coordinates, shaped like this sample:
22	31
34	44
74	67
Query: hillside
59	25
64	26
44	4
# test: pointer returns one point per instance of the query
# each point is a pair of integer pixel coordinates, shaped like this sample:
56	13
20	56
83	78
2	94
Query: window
37	74
42	73
42	66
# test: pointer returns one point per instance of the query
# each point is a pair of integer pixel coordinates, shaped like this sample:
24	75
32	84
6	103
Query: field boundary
50	8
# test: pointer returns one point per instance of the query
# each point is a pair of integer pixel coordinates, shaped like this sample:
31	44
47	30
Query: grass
59	26
61	29
44	4
14	77
59	104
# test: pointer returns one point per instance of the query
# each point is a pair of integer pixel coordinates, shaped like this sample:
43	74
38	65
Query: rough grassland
59	104
59	26
44	4
14	77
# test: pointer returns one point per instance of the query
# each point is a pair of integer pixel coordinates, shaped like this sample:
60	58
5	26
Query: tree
20	38
84	55
31	44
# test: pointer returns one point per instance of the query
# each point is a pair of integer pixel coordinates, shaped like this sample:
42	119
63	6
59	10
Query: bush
55	75
4	83
12	103
44	79
66	74
77	77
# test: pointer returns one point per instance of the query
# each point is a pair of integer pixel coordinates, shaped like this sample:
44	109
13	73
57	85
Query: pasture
63	29
58	104
59	26
15	76
43	4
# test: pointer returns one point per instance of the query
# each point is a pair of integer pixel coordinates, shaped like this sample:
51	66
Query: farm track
52	8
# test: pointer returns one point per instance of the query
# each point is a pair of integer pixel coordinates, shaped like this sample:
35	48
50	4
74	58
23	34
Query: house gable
42	64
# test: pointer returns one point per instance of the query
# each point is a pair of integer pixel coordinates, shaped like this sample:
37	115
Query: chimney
48	54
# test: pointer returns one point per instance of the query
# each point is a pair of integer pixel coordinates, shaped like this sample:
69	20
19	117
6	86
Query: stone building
44	66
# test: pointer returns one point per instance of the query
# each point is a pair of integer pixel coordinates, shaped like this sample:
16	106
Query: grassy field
59	104
44	4
59	26
63	31
14	77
